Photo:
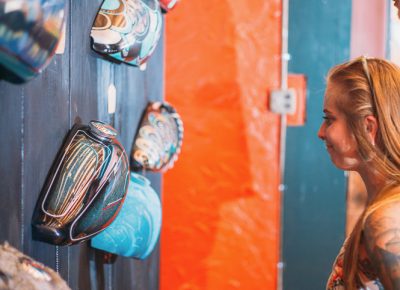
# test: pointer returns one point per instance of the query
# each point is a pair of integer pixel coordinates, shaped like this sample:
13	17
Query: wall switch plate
112	99
283	101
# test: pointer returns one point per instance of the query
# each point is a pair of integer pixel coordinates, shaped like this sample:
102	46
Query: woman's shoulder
382	238
386	216
387	203
384	213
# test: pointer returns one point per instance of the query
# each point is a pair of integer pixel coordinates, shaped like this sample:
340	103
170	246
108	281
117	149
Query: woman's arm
382	240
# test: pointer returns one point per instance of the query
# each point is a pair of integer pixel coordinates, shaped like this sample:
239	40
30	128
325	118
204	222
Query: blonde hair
370	87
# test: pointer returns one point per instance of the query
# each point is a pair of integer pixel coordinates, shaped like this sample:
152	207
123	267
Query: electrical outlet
283	101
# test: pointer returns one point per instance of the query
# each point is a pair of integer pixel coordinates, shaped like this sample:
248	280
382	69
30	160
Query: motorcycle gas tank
85	188
135	231
127	30
29	33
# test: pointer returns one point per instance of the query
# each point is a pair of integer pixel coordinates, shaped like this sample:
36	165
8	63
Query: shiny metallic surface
158	140
135	231
20	272
102	130
29	34
283	126
127	30
84	191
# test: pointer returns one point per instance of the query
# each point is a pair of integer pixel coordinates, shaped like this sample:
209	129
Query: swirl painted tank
135	231
127	30
29	34
20	272
158	140
85	188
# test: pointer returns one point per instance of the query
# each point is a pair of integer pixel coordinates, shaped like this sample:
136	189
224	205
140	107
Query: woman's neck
374	182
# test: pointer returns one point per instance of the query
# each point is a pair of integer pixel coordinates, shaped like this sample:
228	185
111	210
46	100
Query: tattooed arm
382	240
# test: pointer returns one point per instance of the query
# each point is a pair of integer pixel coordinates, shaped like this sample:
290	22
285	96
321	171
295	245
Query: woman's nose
321	131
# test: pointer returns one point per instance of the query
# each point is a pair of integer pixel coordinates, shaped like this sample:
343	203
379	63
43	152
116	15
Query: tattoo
3	279
389	265
382	238
379	285
365	266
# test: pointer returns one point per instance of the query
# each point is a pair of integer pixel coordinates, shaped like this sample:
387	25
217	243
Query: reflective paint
85	188
135	231
127	30
29	34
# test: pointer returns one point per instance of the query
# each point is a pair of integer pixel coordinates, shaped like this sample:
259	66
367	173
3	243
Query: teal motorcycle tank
135	231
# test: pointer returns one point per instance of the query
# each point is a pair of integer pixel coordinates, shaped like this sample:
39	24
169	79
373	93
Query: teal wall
314	199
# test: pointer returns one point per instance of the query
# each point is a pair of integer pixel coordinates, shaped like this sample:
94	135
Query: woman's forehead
332	93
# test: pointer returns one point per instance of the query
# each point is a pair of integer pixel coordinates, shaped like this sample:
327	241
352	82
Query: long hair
370	87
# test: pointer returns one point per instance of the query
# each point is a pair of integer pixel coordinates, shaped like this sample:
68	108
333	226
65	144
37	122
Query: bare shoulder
382	240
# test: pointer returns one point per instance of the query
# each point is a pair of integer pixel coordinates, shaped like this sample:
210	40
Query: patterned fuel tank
85	188
158	139
135	231
127	30
29	33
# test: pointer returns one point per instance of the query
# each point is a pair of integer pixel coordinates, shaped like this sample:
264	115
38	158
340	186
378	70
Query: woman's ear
371	127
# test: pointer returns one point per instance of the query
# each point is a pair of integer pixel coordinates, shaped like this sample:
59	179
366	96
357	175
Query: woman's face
339	141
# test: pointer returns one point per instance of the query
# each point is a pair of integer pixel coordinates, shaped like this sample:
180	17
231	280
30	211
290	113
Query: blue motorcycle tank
135	231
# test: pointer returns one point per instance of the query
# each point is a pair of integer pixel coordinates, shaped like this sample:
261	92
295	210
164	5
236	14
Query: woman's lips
328	146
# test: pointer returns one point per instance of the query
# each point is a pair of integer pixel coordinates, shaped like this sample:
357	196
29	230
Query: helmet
167	5
127	30
29	36
135	231
158	140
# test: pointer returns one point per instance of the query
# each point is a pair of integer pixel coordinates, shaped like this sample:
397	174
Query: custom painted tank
127	30
158	140
29	33
85	188
135	231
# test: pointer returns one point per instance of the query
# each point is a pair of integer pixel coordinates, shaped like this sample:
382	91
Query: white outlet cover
283	101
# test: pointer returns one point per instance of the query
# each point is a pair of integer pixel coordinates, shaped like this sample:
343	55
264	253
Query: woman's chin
348	164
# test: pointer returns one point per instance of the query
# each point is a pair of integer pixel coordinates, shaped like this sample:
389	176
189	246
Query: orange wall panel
298	82
221	200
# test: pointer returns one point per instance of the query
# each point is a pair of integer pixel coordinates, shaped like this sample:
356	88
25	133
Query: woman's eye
328	120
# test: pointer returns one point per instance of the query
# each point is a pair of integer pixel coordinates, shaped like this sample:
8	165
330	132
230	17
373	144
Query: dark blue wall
34	120
314	199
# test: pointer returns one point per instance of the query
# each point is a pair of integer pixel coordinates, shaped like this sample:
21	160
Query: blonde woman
361	131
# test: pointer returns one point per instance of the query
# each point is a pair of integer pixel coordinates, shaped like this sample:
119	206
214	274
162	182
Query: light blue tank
135	231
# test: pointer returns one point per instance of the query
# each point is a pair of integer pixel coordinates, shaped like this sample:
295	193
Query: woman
361	132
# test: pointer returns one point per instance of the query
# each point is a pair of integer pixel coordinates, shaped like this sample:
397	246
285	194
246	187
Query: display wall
35	118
